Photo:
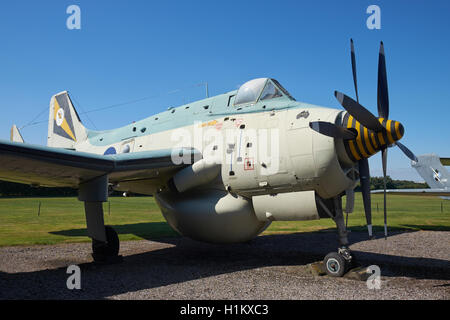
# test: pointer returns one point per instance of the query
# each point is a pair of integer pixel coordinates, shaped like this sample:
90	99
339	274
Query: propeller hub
368	142
401	130
394	130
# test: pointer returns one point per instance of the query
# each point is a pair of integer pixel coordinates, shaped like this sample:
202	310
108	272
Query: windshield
270	91
282	89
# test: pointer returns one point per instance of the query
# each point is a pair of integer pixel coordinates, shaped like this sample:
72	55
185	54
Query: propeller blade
407	152
350	204
382	92
364	178
350	199
331	130
364	116
384	160
354	69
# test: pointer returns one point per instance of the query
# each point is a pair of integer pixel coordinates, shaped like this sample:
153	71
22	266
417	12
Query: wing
54	167
416	192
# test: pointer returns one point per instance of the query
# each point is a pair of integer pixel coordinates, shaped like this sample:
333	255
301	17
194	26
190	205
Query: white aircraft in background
431	168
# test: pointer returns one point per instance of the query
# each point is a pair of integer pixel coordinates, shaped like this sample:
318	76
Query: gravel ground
414	265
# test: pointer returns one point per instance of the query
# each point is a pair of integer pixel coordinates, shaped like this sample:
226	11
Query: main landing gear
107	252
336	264
105	242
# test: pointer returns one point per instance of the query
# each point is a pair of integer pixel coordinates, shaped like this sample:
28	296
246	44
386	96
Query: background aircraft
431	169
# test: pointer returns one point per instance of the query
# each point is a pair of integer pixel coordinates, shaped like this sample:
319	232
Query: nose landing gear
336	264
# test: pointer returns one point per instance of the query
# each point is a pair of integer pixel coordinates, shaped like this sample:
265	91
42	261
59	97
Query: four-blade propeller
377	132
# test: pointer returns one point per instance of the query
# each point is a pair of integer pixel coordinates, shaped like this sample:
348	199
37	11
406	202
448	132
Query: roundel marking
110	150
59	117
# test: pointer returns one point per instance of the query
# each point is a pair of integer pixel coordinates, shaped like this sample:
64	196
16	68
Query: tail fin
65	129
432	171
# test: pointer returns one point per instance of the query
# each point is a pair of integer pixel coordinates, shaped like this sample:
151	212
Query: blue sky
128	50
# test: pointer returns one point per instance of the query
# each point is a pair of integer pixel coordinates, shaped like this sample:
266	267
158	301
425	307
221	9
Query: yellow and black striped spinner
369	142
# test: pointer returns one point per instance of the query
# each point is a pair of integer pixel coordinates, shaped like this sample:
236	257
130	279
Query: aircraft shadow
154	231
186	260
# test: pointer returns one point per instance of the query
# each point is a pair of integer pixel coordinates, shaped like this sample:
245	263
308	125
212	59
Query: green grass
403	213
62	219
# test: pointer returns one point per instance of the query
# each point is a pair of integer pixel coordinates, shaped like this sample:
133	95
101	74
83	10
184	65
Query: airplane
431	168
208	165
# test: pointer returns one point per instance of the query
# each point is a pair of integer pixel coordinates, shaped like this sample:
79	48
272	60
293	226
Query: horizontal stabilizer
15	134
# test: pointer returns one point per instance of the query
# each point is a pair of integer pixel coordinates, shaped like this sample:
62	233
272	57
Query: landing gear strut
338	263
105	242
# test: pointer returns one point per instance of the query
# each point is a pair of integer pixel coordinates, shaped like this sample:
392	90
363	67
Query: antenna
207	93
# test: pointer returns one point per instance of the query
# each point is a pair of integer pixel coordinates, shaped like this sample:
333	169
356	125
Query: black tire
335	264
353	263
108	249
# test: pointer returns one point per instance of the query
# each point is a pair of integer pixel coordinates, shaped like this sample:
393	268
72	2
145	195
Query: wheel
354	263
102	250
335	264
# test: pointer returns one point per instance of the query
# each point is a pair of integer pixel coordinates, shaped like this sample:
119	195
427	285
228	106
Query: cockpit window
270	91
249	92
260	89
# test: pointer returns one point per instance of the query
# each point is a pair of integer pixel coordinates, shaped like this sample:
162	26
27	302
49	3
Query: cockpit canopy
260	89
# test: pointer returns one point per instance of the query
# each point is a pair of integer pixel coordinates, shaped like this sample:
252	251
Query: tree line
376	183
11	189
